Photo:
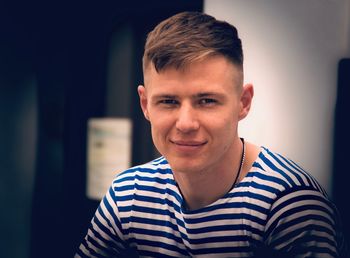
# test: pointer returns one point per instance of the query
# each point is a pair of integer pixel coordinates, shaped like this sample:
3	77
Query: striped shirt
277	208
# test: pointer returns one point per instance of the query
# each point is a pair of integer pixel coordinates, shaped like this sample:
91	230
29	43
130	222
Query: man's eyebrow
209	94
164	96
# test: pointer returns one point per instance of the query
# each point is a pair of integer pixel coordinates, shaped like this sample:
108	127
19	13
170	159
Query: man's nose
187	119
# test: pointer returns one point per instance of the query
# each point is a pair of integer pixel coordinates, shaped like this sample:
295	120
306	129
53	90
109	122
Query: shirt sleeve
304	223
104	237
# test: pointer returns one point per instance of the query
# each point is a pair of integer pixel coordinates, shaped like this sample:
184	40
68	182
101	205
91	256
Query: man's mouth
189	144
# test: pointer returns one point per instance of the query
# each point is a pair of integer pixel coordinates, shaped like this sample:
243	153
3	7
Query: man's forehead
150	71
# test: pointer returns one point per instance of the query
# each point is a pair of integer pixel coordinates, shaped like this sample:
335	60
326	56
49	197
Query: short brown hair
191	36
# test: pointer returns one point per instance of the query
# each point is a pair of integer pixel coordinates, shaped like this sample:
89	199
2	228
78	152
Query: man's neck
201	191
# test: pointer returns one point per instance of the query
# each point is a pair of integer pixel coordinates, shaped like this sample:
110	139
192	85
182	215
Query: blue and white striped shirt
277	207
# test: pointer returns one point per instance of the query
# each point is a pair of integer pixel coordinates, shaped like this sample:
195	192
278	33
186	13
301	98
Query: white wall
291	50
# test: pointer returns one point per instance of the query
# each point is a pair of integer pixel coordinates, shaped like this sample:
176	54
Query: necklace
241	165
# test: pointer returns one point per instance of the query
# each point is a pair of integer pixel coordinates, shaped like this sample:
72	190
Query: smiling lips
188	145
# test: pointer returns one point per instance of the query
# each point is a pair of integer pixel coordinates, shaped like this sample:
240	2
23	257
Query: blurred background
64	63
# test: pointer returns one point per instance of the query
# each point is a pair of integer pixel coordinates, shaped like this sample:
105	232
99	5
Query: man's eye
168	101
207	101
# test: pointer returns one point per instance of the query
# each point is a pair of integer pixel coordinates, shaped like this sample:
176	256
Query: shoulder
157	170
301	214
292	190
149	188
149	179
283	174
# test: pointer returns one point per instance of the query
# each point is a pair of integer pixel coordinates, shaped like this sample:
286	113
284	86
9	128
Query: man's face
194	113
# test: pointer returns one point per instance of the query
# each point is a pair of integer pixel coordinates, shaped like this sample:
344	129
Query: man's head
189	37
193	94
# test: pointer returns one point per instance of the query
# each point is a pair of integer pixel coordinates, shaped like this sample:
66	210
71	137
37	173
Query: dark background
55	74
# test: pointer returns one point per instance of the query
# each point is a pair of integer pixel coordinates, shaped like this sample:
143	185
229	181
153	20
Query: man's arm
304	223
104	237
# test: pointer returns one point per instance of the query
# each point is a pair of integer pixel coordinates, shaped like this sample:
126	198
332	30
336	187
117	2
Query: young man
211	194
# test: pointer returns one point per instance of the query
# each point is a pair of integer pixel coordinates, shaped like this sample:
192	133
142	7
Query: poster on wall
108	153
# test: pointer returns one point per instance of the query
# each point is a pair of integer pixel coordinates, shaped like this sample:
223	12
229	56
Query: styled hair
188	37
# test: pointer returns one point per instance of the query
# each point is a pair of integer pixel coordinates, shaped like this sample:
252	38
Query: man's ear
143	100
246	100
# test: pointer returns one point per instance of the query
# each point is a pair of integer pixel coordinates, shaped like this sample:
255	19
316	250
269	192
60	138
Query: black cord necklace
241	165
